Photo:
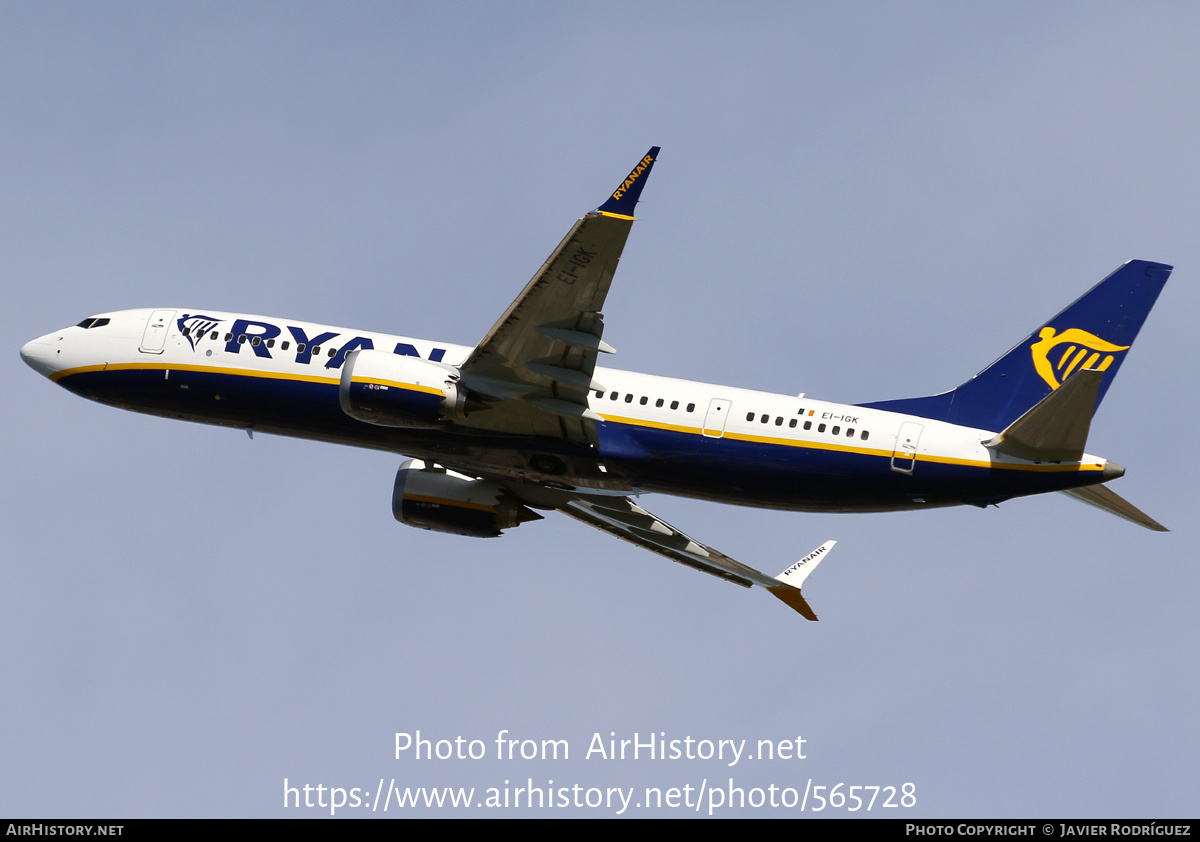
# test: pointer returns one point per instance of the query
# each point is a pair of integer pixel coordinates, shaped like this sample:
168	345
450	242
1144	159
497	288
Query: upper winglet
623	200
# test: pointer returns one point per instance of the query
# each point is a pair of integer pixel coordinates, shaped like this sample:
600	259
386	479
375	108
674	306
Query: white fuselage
657	433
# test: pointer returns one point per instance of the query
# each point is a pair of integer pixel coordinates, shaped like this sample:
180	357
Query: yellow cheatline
413	387
657	425
208	369
441	501
862	451
619	216
58	375
812	445
1010	466
616	419
239	372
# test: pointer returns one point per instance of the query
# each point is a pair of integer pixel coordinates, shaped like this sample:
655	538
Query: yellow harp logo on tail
1083	350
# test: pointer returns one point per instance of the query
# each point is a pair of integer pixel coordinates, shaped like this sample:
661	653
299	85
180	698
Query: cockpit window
92	322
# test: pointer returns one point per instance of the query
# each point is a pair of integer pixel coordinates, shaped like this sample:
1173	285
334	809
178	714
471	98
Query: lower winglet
788	591
793	599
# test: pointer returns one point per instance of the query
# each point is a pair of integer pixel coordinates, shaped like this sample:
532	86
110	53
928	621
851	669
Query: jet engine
398	391
431	497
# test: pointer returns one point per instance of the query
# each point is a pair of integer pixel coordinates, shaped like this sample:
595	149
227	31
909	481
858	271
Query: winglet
791	579
623	200
794	600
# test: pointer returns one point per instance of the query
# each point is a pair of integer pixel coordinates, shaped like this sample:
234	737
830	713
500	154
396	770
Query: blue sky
860	201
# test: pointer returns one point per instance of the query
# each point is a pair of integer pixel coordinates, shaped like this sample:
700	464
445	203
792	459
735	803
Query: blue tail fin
1095	332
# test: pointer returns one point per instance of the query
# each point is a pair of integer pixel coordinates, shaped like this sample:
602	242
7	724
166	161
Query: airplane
526	421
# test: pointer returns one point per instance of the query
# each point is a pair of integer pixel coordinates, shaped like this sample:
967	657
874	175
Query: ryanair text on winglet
632	177
818	551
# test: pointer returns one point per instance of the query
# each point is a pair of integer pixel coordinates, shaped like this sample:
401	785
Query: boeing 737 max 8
526	420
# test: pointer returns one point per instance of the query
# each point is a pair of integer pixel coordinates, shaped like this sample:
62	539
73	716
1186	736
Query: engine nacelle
398	391
431	497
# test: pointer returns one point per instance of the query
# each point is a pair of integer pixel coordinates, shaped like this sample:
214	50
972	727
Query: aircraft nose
39	355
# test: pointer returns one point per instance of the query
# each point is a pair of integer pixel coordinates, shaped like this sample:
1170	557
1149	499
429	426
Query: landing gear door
904	457
714	421
155	337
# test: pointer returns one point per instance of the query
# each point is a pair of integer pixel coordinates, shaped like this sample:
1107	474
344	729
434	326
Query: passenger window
643	400
316	350
242	339
850	432
820	428
749	416
674	404
690	407
599	394
808	425
779	421
256	341
658	402
332	351
836	430
186	331
864	435
229	337
629	399
613	396
300	348
214	335
765	418
792	423
270	343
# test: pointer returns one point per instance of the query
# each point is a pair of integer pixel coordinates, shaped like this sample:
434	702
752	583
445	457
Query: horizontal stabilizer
1108	500
1056	428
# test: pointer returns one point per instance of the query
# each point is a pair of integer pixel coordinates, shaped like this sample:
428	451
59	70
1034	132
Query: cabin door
155	337
904	457
714	421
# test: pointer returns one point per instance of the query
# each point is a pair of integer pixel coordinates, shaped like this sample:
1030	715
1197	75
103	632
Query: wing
628	521
534	368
